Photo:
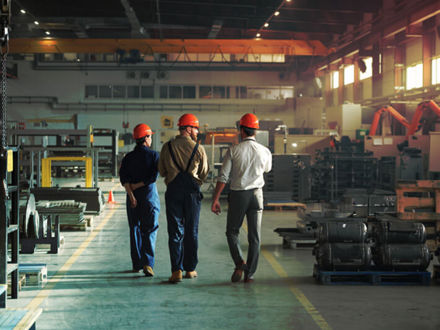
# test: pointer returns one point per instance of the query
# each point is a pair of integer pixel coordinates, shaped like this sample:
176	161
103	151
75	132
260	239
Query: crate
36	274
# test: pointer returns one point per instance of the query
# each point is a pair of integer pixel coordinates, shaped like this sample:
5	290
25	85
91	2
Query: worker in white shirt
243	166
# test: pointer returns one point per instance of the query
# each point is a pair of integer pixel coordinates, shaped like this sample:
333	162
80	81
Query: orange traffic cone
110	198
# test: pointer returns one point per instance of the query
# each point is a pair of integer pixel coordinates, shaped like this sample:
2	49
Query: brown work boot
237	275
176	277
191	274
148	271
238	272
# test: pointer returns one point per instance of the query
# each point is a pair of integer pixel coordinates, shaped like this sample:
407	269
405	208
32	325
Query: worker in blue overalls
138	174
184	164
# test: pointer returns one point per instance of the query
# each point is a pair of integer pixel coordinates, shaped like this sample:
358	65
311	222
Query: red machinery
414	125
392	112
421	108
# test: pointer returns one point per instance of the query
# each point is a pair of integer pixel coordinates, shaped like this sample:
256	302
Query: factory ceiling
318	20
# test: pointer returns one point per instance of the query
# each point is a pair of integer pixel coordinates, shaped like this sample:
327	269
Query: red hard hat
141	130
249	120
188	119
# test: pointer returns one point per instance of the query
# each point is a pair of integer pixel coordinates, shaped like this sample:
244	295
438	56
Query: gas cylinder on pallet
342	231
402	257
343	256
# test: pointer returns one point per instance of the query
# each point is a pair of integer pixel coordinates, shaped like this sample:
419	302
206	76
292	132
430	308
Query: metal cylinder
402	257
342	231
400	232
343	256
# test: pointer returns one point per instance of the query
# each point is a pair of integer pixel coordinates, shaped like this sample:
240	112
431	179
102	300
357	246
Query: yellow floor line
313	312
44	293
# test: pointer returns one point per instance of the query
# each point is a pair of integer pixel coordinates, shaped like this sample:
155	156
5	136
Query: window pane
91	91
243	92
189	92
175	92
147	92
335	79
105	91
119	91
436	71
219	92
133	91
163	92
414	76
348	74
205	92
368	68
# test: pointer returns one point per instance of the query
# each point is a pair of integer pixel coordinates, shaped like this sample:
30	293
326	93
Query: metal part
343	256
342	231
402	257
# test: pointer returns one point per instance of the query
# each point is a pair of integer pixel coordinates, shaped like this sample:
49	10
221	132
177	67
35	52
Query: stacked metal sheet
289	178
70	212
91	196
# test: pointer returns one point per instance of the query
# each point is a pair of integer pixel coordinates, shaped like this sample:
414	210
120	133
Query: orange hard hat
188	119
141	130
249	120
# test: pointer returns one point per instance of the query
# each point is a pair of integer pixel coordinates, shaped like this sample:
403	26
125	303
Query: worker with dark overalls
138	174
184	165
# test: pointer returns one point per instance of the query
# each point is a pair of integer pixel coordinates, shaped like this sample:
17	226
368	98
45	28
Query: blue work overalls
141	165
183	200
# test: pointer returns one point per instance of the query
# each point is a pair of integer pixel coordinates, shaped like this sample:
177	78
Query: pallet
82	226
36	274
298	243
407	206
279	206
372	278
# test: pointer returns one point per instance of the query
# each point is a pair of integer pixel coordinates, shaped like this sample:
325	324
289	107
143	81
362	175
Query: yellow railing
46	169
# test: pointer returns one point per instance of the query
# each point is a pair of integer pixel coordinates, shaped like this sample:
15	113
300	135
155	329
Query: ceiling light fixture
36	23
266	24
47	33
22	11
276	13
288	0
258	35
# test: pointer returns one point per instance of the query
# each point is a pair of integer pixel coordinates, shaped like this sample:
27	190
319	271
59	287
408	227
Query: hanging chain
4	102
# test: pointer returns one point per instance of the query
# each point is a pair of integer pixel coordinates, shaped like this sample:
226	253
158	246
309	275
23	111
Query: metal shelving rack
9	215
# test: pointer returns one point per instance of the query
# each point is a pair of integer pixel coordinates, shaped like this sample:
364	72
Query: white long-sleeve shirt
244	165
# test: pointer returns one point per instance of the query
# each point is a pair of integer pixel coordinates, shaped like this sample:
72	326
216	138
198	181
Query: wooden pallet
82	226
279	206
407	206
372	278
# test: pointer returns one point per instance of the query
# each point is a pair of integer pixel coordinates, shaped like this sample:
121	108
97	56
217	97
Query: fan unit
145	74
162	75
131	75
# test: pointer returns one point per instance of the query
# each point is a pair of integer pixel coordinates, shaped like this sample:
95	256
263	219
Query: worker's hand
215	207
133	201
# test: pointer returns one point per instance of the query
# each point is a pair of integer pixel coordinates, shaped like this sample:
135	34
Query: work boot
238	272
148	271
248	278
176	277
191	274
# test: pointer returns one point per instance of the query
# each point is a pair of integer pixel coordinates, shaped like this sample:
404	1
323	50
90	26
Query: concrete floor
90	285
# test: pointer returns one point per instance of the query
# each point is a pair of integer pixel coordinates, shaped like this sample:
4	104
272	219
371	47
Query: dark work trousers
241	203
143	223
183	201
